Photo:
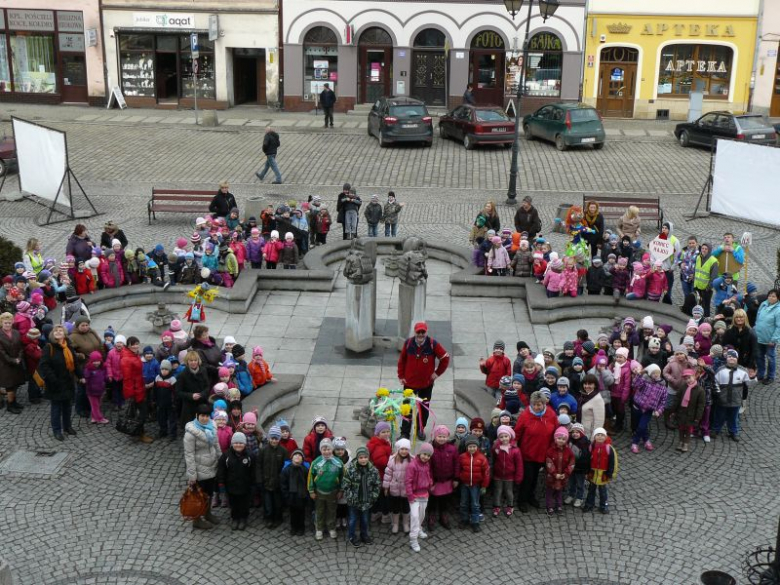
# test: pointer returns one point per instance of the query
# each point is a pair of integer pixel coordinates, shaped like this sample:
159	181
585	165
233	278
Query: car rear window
491	116
584	115
408	111
753	123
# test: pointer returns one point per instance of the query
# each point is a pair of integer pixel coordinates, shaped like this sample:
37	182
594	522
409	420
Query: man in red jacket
417	370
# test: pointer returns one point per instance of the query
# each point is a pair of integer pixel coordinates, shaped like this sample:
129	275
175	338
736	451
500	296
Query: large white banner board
43	159
746	182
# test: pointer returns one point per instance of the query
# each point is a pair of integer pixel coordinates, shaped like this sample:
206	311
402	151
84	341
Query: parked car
753	128
474	125
7	154
400	119
566	124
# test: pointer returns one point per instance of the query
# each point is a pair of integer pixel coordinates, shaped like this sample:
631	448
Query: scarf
68	355
590	220
208	429
687	396
114	269
537	414
208	342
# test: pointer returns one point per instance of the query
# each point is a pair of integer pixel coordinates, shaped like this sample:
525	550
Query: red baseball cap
421	326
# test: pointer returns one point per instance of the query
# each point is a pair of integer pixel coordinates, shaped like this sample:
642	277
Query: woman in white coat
201	454
591	405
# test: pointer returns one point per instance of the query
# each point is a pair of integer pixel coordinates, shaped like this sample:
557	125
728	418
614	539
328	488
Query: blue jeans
729	415
577	485
372	230
603	495
766	353
351	221
272	505
354	515
60	416
469	503
391	229
270	163
640	419
687	287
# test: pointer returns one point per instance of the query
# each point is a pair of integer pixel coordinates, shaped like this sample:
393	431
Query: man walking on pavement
327	101
271	145
417	370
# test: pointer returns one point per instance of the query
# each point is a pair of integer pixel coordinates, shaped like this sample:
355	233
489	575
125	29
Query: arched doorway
486	68
320	61
617	82
375	75
429	67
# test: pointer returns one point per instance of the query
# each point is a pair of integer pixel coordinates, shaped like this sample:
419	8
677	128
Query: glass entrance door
74	77
376	72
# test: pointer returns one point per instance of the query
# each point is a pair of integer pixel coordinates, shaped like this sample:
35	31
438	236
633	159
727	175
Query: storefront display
5	71
33	63
321	61
686	68
545	62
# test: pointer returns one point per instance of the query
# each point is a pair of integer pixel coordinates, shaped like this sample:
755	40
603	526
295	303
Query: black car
752	128
400	119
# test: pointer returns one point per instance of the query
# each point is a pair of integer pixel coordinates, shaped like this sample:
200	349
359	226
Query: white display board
43	159
745	182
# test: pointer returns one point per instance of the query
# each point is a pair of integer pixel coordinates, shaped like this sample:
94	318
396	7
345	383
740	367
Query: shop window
545	62
375	36
5	75
320	61
136	61
34	63
686	68
207	88
430	37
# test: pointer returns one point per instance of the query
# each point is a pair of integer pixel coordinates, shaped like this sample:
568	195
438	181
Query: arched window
320	61
430	37
545	62
375	36
687	68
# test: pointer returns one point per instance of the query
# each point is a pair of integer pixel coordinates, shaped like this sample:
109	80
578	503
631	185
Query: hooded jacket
395	476
507	465
361	485
768	323
418	479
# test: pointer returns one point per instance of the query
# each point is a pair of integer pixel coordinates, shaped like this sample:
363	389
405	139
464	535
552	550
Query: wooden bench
178	201
613	208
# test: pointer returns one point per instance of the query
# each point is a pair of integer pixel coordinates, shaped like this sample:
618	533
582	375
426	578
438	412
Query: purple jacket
649	394
254	250
444	463
418	479
95	381
620	279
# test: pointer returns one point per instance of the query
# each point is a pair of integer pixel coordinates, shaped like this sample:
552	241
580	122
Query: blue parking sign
194	42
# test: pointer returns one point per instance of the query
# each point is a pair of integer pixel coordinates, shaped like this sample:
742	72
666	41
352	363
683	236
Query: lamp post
546	8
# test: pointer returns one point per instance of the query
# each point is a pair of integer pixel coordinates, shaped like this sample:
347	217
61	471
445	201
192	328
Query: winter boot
385	518
431	522
215	503
445	521
210	517
396	518
685	442
202	524
376	516
414	544
11	405
405	521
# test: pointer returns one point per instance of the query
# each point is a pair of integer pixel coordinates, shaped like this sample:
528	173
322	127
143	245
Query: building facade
429	51
766	95
51	56
643	59
149	56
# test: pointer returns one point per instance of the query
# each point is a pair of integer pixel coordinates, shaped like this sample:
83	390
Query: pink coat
638	286
553	281
395	476
113	365
418	479
656	285
570	278
239	249
622	388
107	277
224	436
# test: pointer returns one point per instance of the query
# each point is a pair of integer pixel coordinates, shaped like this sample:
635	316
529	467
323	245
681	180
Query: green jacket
360	485
325	475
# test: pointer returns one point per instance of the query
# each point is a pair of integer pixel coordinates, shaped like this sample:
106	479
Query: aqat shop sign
164	20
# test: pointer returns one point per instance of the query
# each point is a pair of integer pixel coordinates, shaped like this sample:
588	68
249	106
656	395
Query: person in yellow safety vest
705	272
668	263
32	258
729	245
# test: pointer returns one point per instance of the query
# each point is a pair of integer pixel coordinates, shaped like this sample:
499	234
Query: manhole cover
41	463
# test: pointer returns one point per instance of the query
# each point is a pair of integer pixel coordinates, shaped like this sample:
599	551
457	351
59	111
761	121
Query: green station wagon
566	124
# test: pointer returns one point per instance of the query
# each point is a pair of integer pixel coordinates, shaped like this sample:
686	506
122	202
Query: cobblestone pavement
110	516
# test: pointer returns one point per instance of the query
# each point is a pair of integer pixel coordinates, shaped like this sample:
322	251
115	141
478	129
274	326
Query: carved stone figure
411	264
359	264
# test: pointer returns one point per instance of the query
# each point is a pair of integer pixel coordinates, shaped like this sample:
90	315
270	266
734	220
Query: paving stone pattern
110	515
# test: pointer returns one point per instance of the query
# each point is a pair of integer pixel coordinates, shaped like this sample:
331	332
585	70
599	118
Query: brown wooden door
74	77
617	86
487	75
774	110
376	73
428	77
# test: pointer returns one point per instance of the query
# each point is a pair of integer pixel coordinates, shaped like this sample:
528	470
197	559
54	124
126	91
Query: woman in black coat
223	201
192	387
79	244
209	351
58	370
12	374
594	219
742	338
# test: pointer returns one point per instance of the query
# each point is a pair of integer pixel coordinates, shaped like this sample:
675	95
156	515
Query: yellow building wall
649	34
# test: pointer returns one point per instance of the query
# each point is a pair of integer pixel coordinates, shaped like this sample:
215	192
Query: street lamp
546	8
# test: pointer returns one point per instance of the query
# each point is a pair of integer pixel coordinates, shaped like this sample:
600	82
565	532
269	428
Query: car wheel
382	141
598	146
428	143
3	168
369	129
508	145
560	143
467	143
527	133
442	132
685	140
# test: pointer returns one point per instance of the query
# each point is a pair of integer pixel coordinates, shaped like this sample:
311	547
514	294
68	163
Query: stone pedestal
359	321
209	118
411	308
254	207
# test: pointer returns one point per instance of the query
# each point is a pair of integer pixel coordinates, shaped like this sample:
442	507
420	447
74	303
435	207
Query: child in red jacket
496	367
559	465
507	470
445	471
380	450
32	357
311	443
287	441
474	479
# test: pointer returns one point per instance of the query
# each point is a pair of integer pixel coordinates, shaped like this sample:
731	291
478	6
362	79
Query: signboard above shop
164	20
42	20
68	21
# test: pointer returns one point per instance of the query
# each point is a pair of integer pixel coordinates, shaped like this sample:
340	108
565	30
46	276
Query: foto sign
660	249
